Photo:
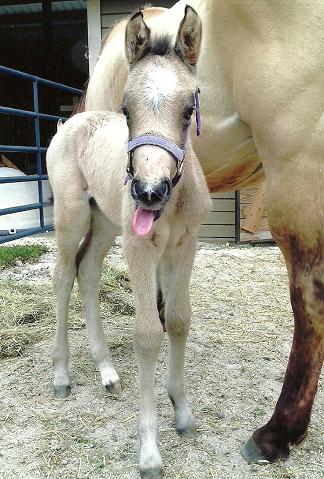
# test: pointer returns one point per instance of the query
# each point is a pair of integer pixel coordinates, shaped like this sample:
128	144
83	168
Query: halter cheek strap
197	108
168	145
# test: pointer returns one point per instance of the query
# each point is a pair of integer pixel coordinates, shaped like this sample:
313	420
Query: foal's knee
147	339
64	272
177	325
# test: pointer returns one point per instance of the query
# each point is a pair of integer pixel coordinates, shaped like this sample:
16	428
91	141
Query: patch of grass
27	310
27	315
115	291
10	254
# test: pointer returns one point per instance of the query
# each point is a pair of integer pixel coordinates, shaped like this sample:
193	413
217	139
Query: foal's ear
189	37
137	38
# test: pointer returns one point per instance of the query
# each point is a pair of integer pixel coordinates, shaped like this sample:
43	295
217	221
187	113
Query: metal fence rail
37	149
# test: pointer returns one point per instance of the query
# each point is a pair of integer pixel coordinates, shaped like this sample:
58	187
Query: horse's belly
227	154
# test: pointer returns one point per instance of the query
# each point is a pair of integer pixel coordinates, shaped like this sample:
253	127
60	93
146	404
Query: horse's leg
142	259
298	227
68	236
175	273
98	241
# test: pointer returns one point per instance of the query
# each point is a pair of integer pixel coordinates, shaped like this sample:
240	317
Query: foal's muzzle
149	195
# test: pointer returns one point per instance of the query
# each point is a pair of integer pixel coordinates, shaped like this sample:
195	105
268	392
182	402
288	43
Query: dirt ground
236	357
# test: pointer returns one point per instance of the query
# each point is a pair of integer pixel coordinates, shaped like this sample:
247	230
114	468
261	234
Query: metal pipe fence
37	150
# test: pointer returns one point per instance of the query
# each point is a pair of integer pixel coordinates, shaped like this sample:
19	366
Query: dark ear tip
137	14
189	9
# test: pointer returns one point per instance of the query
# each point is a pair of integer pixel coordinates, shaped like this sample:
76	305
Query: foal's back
89	154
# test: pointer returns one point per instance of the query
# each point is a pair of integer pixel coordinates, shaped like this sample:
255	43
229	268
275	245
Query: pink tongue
142	221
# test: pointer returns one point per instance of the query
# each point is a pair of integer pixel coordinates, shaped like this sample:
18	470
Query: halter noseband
168	145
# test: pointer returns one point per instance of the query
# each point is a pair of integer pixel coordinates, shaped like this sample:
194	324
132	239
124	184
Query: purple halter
168	145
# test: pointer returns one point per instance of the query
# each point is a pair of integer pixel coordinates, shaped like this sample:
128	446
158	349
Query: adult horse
261	78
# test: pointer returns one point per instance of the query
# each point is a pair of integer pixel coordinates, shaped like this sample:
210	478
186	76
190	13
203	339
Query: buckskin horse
261	78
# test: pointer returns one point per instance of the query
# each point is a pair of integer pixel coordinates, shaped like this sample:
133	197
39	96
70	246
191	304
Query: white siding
114	10
94	32
219	226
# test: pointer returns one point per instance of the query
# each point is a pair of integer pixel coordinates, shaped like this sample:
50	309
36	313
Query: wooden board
254	212
262	231
6	162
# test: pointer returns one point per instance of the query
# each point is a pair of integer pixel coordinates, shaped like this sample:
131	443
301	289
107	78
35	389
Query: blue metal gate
37	149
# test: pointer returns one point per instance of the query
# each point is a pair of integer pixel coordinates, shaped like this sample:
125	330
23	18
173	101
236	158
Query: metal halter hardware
168	145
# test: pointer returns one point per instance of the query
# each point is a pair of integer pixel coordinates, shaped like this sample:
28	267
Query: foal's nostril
165	187
148	194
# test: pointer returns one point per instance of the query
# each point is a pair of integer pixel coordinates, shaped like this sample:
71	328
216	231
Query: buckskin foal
159	210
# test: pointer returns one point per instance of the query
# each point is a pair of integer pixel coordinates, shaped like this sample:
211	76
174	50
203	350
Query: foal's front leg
175	272
142	260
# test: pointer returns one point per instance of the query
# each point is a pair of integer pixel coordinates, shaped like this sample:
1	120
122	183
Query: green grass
27	311
10	254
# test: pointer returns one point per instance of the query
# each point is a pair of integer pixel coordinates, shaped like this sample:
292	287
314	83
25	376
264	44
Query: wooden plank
224	195
220	218
247	195
254	212
223	205
244	209
6	162
217	231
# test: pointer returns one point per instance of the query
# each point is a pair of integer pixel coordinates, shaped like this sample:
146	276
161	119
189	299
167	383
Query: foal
159	211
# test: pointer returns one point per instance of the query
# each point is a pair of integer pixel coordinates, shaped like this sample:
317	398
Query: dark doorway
48	39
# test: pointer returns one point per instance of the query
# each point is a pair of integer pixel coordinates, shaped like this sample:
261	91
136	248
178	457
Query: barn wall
219	226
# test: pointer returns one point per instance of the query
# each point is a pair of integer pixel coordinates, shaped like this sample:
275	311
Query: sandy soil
236	358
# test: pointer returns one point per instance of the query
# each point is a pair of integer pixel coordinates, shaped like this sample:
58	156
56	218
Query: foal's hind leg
175	274
71	223
100	238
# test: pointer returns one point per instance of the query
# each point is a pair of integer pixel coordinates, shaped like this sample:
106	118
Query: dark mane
161	45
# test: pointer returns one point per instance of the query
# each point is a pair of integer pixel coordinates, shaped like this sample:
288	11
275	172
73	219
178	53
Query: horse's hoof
185	423
188	432
152	474
300	439
252	453
62	392
114	388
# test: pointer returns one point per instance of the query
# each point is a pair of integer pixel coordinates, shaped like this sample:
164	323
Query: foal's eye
125	112
188	113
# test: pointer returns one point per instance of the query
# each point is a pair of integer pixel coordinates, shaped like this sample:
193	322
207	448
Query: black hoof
114	388
253	454
300	439
62	392
152	474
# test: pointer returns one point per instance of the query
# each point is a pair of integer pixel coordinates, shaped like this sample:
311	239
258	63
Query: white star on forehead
160	84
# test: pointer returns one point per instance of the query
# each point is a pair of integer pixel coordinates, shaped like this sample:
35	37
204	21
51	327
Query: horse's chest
178	235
